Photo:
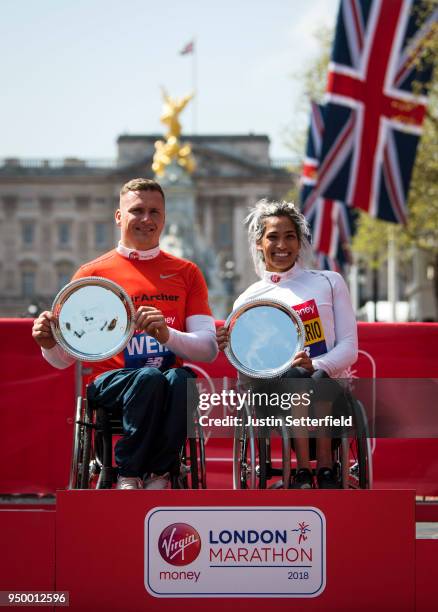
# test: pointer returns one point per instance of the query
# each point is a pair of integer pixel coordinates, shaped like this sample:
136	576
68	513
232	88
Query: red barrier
27	562
426	575
398	350
401	350
36	414
37	407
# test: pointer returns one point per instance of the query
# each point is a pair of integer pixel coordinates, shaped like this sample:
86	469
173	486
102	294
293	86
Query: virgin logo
179	544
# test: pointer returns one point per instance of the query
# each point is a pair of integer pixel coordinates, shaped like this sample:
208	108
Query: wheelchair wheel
84	466
77	447
95	462
249	458
286	457
285	471
261	468
192	473
360	470
355	453
82	446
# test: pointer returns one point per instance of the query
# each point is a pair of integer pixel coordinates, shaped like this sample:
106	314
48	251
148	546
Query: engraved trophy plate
94	318
265	335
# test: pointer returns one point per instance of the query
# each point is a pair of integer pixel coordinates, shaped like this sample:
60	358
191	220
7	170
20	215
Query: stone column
11	235
242	258
47	276
421	296
208	222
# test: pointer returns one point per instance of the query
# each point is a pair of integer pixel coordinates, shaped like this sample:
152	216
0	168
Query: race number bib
315	343
144	351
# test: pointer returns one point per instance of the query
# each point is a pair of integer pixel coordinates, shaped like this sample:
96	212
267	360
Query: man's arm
198	343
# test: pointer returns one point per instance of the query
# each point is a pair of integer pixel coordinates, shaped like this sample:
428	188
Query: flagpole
353	281
194	86
392	275
190	48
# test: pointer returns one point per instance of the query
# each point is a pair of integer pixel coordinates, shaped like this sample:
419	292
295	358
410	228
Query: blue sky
77	73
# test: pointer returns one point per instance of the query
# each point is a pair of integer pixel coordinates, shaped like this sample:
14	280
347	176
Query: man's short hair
142	184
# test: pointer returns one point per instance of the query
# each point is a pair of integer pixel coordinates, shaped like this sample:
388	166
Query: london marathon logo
303	530
179	544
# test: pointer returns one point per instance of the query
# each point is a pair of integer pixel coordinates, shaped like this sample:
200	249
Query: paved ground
427	531
28	500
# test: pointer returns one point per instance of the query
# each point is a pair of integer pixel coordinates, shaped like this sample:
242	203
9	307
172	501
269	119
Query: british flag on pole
332	223
373	114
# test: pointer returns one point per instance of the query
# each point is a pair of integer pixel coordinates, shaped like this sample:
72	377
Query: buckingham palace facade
57	214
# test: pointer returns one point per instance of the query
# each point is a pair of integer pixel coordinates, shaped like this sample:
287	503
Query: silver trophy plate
265	335
94	318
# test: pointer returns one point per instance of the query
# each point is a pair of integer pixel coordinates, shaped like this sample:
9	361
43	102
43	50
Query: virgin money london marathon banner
239	552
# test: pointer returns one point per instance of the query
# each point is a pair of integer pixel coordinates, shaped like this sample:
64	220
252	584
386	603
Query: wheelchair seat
254	454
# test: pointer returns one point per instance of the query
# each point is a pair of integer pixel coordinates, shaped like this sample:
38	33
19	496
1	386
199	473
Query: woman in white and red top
278	234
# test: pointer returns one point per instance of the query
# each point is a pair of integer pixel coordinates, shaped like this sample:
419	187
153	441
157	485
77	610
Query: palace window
64	234
100	234
28	283
28	233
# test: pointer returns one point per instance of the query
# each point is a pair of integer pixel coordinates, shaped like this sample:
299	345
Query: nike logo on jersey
163	276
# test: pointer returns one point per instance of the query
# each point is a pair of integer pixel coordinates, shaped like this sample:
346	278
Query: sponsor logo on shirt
156	297
315	337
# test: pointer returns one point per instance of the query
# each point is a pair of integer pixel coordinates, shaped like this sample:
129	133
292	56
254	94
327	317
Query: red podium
192	550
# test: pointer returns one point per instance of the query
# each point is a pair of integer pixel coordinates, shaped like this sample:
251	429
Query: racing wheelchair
92	465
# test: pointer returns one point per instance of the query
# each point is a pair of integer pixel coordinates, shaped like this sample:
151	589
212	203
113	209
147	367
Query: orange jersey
173	285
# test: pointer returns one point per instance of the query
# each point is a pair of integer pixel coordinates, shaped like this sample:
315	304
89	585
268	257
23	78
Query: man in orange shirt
173	322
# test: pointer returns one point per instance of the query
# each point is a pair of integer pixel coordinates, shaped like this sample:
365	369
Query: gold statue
166	151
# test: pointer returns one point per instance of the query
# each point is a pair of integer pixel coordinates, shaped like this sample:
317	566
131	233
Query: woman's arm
344	353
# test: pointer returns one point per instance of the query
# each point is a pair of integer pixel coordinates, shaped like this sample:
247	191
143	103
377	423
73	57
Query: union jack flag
331	222
372	117
324	262
332	226
314	142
